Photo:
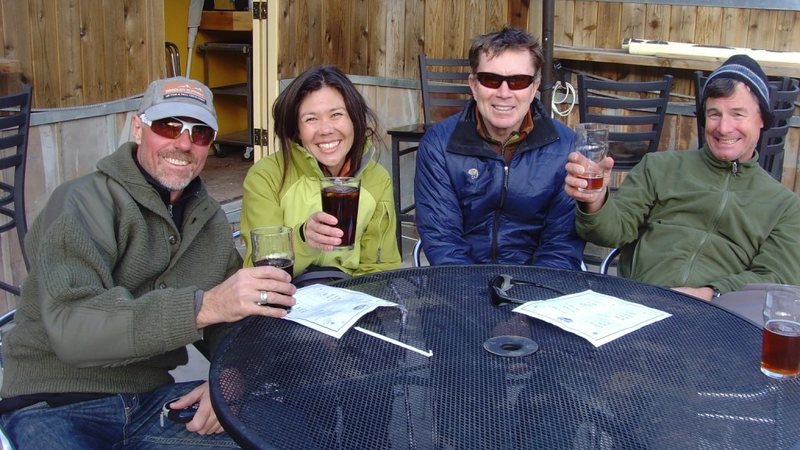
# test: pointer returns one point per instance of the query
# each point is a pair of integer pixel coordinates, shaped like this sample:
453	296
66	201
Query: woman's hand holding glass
320	231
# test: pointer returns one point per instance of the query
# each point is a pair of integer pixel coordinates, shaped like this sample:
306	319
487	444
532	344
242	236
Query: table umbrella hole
511	346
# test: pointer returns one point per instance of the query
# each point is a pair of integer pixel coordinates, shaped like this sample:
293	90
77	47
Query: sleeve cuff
198	301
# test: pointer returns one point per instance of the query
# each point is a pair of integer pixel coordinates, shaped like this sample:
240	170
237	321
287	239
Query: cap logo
181	89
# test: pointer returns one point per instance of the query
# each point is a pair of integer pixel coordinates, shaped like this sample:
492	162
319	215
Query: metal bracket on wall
260	10
259	136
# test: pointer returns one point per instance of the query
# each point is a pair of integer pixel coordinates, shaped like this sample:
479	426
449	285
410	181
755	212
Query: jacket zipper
725	195
497	213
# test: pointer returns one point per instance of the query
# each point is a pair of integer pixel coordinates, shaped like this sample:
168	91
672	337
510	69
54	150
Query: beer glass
272	246
591	141
340	199
780	351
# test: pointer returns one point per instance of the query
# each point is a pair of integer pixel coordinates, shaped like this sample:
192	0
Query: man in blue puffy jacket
490	180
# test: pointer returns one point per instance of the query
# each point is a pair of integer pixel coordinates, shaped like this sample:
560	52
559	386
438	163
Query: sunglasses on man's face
501	284
494	81
172	128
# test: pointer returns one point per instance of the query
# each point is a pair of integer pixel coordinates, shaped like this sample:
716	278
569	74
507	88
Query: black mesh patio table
689	381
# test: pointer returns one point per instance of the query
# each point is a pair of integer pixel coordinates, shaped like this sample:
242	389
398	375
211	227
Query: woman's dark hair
287	106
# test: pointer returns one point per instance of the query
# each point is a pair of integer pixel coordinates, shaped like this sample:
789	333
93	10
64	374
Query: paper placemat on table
332	310
596	317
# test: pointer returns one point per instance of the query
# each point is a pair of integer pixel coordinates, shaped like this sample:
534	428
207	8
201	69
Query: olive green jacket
108	305
687	219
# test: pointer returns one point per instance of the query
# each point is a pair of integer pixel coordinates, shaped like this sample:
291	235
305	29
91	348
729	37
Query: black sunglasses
499	286
172	128
494	81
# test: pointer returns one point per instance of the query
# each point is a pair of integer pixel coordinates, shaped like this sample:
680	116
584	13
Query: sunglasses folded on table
499	286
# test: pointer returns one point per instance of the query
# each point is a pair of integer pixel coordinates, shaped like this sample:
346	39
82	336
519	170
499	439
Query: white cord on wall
569	96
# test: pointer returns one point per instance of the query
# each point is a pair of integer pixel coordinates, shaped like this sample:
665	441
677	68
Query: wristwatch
716	293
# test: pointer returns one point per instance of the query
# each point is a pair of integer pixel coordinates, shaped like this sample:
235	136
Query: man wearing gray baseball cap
129	264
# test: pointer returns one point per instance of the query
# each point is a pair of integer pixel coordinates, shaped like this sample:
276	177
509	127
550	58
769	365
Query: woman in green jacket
325	129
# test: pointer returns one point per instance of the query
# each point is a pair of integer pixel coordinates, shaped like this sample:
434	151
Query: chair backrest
445	89
635	111
14	122
783	93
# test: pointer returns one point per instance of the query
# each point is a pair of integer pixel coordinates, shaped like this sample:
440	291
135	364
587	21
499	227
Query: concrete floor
224	176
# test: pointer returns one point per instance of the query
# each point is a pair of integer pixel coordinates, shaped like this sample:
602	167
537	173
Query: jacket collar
466	141
735	167
121	166
309	166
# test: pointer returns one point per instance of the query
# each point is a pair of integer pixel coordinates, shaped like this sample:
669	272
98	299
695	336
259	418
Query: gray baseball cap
179	97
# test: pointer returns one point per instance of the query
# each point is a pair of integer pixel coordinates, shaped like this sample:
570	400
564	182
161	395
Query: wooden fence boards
376	36
609	21
393	44
787	33
734	33
78	52
414	39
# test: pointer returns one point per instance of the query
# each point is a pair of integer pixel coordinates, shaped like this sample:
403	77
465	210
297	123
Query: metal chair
14	122
444	92
635	110
608	261
444	87
783	93
417	253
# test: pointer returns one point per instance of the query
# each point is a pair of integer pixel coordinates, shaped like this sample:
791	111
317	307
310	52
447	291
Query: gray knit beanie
745	69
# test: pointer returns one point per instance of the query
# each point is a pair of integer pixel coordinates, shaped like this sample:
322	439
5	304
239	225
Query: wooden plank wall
383	37
78	52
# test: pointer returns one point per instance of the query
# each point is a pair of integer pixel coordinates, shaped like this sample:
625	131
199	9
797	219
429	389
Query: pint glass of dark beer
780	352
340	199
272	246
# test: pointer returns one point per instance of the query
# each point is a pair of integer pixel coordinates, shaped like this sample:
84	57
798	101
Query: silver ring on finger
263	297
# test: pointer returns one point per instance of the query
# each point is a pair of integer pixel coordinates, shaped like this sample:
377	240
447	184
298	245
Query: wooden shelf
227	21
678	62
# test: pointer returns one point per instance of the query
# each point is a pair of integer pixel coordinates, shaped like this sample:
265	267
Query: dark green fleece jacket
688	219
108	305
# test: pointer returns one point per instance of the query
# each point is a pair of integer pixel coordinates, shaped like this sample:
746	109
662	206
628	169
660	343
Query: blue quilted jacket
474	208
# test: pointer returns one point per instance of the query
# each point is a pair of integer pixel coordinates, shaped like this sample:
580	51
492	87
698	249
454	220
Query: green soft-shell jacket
687	219
266	203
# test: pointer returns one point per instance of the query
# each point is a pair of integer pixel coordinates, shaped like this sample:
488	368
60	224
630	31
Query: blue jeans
124	421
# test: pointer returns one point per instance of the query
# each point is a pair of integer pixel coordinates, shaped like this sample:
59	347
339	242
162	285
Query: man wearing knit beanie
740	82
704	222
745	69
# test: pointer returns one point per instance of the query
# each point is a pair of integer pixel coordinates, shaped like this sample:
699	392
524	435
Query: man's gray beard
174	185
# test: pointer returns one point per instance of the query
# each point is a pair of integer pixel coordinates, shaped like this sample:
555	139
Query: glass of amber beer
340	199
591	141
780	351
